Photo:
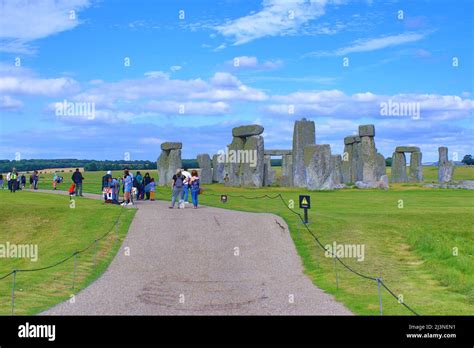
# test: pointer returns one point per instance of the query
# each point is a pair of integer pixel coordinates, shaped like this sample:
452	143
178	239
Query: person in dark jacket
77	180
146	181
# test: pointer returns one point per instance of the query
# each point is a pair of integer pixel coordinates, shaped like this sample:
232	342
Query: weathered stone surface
171	146
337	169
346	163
368	158
205	175
167	164
351	139
247	131
407	149
217	169
399	170
268	172
286	171
415	173
380	166
233	169
445	166
383	182
461	184
303	135
356	163
319	171
252	175
367	130
277	152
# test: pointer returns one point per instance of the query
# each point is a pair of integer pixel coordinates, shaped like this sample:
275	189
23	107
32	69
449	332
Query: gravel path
205	261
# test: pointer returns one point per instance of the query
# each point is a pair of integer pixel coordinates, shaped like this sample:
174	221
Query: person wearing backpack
195	189
177	187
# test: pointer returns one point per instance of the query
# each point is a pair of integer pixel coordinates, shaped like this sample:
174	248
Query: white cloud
335	103
252	63
175	68
23	21
36	86
277	17
7	103
372	44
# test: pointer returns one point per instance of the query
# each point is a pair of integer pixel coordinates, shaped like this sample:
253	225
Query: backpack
178	182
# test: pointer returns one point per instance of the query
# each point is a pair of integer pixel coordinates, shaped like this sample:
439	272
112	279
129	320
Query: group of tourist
134	187
16	181
182	183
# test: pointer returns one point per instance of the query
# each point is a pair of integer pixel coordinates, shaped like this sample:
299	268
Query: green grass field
59	231
424	251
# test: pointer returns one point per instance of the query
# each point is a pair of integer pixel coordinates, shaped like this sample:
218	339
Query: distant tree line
26	165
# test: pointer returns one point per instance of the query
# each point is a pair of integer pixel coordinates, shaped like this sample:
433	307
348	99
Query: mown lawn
419	240
59	230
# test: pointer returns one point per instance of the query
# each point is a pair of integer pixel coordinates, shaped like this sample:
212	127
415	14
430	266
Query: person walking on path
127	188
146	182
195	189
23	181
186	186
9	181
77	180
177	188
152	186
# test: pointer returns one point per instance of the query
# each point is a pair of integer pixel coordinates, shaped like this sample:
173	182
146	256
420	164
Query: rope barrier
376	279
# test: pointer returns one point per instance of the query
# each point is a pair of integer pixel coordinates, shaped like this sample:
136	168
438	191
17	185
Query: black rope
322	246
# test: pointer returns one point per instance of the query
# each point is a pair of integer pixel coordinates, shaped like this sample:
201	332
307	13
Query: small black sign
305	202
224	198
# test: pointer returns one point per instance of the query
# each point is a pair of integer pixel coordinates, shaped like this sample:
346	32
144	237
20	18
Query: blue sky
182	83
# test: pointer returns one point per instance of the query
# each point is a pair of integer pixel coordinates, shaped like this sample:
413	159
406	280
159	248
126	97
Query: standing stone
368	153
380	165
319	171
205	175
347	160
399	170
356	162
303	135
286	171
251	172
168	162
268	172
445	166
231	168
337	169
416	168
217	169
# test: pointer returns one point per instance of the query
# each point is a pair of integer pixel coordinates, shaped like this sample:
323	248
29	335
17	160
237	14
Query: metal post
95	252
306	216
335	270
380	294
13	292
74	274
